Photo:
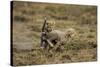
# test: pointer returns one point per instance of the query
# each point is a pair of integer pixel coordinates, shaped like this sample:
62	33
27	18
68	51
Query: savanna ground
28	19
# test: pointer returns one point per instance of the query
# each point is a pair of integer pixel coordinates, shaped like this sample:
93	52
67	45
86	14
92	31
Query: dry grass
28	19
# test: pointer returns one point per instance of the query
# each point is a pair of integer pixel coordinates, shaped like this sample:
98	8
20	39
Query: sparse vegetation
28	19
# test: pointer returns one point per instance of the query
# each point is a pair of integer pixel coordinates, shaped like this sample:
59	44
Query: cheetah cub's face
50	25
